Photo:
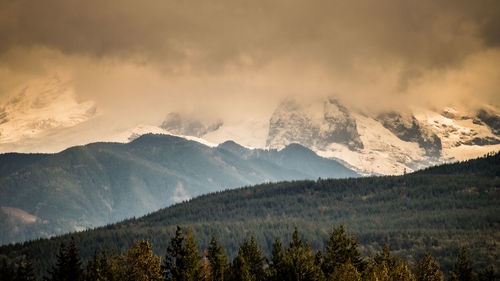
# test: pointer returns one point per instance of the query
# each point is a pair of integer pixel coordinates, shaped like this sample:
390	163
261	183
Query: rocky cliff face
385	143
409	129
183	125
313	127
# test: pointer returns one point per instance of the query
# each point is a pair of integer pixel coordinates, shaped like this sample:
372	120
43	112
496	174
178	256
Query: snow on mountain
491	118
313	126
188	126
383	152
39	107
249	132
134	133
382	143
462	135
407	128
45	116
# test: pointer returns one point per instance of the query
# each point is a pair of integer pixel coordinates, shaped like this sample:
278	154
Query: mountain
371	142
314	128
387	142
438	209
184	125
87	186
38	108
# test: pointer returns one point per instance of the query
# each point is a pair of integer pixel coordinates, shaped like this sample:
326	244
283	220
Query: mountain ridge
98	183
438	209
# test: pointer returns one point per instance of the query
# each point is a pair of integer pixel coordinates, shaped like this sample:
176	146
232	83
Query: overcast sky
139	60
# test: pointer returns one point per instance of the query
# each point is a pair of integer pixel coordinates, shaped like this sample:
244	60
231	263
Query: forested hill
437	210
101	183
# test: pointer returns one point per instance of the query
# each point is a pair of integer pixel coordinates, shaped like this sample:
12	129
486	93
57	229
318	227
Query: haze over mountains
368	141
383	143
87	186
114	111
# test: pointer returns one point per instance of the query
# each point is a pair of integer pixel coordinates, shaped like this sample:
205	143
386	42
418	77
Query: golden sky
138	60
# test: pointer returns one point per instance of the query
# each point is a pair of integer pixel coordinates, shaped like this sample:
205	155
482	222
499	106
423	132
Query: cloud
231	59
208	34
180	194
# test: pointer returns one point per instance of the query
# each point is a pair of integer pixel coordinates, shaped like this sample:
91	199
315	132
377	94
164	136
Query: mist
232	60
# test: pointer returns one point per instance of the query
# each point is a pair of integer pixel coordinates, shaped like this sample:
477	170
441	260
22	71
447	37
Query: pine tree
172	264
7	272
298	261
487	274
276	270
59	271
116	264
93	269
386	257
318	259
218	260
387	267
141	264
182	260
25	271
239	269
462	270
401	272
254	259
192	270
377	272
68	264
99	268
345	272
341	248
74	262
427	269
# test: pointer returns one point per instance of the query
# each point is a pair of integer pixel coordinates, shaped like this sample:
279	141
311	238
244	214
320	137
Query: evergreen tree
74	262
7	272
377	272
192	270
141	264
218	260
254	259
385	266
298	261
93	269
116	265
386	257
182	260
59	271
239	269
25	271
99	268
401	272
68	264
340	249
427	269
318	259
462	270
345	272
487	274
276	270
172	264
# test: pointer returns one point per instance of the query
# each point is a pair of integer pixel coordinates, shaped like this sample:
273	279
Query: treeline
436	210
340	260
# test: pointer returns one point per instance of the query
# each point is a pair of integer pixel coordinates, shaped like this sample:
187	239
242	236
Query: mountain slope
438	209
370	141
100	183
378	142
